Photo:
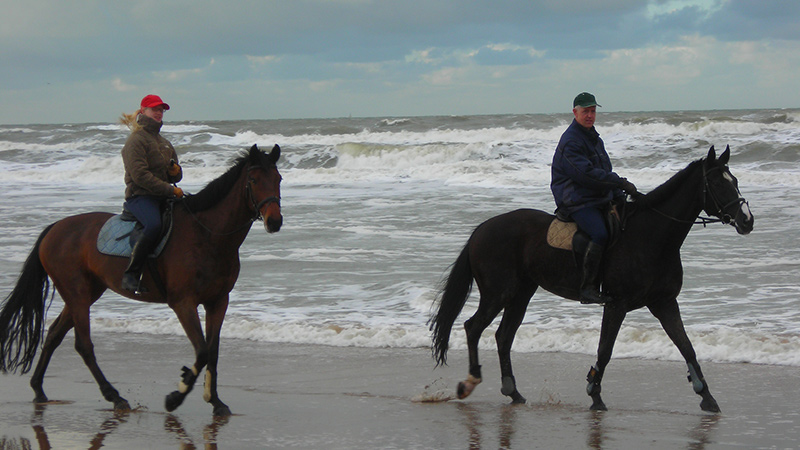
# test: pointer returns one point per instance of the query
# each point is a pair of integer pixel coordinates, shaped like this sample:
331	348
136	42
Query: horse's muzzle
744	219
273	224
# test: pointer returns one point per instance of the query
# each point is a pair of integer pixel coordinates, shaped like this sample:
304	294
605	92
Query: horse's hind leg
55	335
512	318
85	347
474	326
669	315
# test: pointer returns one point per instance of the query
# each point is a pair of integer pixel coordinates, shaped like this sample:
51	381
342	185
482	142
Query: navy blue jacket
581	172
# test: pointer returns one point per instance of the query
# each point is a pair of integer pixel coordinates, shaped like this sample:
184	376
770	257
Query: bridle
718	207
257	205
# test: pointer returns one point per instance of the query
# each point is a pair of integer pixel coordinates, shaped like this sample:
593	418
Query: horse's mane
666	189
217	189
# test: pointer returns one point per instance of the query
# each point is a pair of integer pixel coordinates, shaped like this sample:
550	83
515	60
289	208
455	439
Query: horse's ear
275	154
725	156
712	155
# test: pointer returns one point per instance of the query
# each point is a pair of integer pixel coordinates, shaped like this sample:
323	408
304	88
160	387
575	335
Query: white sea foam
725	345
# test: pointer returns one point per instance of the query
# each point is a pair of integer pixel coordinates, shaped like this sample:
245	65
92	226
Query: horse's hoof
222	411
517	399
122	405
461	391
709	405
598	405
467	386
173	400
464	389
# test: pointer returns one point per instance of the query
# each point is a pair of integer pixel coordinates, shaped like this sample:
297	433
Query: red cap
151	101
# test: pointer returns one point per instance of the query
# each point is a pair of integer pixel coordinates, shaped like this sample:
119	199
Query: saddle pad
114	237
560	233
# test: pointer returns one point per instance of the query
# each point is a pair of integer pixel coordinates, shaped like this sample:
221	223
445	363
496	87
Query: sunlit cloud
261	60
121	86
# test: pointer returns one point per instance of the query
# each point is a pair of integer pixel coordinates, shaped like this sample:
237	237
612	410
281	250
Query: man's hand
178	192
630	189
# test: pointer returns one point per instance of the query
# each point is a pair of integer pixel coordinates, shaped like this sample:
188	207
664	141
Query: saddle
120	233
563	232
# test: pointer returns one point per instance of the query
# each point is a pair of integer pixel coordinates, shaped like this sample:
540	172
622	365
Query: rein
256	206
723	218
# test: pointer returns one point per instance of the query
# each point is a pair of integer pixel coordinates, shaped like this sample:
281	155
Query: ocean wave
494	151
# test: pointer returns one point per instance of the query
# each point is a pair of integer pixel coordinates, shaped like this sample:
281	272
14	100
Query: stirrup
132	284
592	299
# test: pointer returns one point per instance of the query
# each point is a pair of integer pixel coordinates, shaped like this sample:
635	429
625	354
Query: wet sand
304	396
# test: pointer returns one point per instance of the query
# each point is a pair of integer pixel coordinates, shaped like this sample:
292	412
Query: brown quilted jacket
146	156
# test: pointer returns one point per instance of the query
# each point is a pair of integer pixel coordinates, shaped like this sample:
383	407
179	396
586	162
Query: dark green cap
584	100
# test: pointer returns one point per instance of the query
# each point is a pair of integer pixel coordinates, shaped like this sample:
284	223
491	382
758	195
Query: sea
377	209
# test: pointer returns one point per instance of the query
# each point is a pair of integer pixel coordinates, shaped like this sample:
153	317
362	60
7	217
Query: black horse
509	258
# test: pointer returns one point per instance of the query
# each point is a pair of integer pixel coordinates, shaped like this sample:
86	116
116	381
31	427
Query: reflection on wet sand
174	425
510	420
506	425
698	436
116	418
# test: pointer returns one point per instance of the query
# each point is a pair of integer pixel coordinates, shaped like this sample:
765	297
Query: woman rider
151	168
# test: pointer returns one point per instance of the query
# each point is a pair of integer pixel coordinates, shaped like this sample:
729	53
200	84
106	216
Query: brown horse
198	266
509	258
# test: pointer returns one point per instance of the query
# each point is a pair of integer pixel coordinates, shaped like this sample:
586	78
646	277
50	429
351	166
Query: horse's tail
452	298
22	314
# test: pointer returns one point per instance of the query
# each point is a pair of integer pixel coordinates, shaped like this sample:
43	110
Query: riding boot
590	286
132	276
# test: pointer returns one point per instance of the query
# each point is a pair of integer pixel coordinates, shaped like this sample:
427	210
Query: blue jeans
147	210
593	222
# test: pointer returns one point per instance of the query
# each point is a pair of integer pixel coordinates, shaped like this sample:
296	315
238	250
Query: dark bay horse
198	266
509	258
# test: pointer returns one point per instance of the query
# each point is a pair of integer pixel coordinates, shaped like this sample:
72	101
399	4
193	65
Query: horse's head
264	187
721	191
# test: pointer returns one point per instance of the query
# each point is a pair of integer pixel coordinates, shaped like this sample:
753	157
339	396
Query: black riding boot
590	286
133	274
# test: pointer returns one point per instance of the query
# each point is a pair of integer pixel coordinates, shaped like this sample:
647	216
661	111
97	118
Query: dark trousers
592	221
147	210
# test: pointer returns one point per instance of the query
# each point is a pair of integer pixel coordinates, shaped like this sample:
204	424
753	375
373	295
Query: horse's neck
668	222
229	220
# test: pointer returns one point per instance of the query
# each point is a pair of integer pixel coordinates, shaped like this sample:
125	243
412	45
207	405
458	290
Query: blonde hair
129	120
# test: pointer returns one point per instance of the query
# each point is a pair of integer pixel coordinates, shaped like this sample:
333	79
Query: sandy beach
300	396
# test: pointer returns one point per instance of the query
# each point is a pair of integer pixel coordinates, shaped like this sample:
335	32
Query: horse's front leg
187	315
612	321
214	317
668	313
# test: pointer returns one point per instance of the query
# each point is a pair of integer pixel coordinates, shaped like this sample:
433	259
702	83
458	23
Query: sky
91	60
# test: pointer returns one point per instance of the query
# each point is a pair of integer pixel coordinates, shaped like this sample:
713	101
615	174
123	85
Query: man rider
583	185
